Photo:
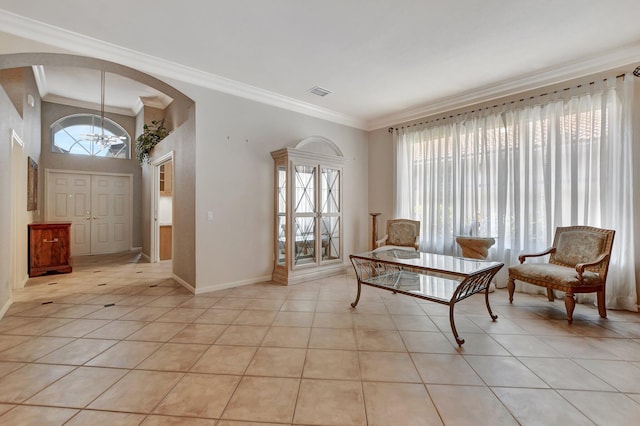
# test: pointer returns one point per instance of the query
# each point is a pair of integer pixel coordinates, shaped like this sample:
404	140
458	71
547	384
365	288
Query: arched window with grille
90	134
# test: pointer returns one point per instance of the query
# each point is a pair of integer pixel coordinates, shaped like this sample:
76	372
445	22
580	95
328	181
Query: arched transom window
90	134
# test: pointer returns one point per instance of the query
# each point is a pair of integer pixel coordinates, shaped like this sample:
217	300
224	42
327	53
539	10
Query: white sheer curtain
518	171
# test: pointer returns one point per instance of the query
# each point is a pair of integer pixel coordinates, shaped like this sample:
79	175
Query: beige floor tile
38	326
220	359
240	423
124	354
232	303
200	302
478	344
388	367
293	319
330	338
77	311
181	315
526	345
469	405
332	320
117	330
414	323
8	342
249	335
78	388
76	328
622	375
331	364
199	395
5	407
199	333
298	306
379	340
579	347
265	304
110	312
137	300
339	306
78	352
624	349
255	318
427	341
287	337
604	408
34	348
24	415
138	391
8	367
399	404
263	399
463	324
218	316
145	313
504	371
157	332
445	369
157	420
24	382
173	357
373	322
277	362
330	402
540	406
302	295
565	374
91	417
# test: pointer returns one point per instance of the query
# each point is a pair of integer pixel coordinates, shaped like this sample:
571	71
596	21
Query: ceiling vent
317	90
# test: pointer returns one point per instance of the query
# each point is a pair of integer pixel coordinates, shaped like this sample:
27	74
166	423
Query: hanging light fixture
105	141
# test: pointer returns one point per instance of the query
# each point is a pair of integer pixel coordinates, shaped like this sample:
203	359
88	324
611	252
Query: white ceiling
83	87
384	60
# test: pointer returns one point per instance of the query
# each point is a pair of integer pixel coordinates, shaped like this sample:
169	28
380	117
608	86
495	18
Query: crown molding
56	99
623	56
81	44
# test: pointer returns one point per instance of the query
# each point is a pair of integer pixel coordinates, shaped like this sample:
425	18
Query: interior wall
16	115
234	181
381	178
181	141
52	112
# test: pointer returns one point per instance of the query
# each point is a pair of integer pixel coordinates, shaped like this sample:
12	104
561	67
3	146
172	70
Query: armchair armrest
580	267
380	242
550	250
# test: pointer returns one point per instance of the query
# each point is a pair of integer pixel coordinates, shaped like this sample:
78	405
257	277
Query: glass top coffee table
438	278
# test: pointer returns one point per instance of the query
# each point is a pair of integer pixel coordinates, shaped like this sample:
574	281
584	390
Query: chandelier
105	141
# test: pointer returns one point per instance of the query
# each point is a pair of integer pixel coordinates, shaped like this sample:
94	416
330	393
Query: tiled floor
116	342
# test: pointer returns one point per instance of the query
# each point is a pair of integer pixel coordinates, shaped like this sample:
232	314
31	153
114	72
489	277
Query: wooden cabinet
166	179
49	248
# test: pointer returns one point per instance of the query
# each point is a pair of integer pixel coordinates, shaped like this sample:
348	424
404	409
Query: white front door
98	207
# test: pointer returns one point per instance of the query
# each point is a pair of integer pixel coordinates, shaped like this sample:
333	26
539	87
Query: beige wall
16	115
234	181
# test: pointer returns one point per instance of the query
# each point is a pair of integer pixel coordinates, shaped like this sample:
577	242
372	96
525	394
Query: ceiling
384	61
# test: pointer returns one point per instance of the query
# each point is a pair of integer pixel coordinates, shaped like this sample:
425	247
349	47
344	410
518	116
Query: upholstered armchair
401	233
578	263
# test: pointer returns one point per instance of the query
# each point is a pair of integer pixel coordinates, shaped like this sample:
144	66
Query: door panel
98	208
70	197
111	214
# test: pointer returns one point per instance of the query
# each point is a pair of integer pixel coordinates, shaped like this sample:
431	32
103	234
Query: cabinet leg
459	341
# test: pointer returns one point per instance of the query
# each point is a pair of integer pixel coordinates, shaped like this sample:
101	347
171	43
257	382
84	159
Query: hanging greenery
151	135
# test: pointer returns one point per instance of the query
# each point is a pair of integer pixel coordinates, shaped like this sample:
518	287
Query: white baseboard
6	307
184	284
223	286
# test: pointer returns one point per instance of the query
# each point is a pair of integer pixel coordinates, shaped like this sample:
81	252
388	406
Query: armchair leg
602	307
570	304
550	295
511	286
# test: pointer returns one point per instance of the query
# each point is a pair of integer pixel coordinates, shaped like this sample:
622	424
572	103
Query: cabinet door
304	214
45	248
330	214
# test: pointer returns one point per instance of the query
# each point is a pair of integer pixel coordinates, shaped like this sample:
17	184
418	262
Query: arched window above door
90	134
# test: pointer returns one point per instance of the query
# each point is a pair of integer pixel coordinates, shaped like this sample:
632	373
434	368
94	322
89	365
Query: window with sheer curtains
518	171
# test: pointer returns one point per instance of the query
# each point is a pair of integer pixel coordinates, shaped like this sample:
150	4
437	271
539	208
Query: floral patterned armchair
578	263
401	233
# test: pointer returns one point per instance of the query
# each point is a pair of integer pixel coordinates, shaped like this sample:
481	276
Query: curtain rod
636	72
